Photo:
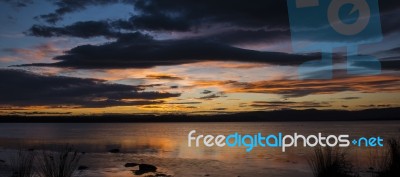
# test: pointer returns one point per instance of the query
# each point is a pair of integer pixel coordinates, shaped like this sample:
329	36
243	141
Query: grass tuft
329	162
59	164
389	164
22	164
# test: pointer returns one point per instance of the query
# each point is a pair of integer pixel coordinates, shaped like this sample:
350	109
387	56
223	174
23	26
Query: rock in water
147	168
83	167
114	151
131	164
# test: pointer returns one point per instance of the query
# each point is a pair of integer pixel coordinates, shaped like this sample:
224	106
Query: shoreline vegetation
323	162
63	162
258	116
46	163
334	162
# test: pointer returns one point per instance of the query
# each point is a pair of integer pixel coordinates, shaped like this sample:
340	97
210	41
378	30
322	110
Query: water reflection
165	145
169	140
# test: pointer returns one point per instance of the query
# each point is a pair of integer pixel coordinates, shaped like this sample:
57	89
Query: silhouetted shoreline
260	116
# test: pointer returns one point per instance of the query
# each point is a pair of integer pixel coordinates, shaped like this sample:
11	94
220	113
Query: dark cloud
206	92
289	104
68	6
391	64
251	36
219	109
273	102
392	52
395	50
213	96
18	3
267	28
193	102
80	29
27	113
85	29
135	49
141	52
390	59
243	23
388	6
20	88
183	15
159	22
163	77
389	21
189	15
376	106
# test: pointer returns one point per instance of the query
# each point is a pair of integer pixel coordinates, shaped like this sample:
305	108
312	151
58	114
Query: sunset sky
176	56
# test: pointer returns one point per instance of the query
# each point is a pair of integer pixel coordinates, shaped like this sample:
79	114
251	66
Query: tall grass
22	164
387	163
329	162
59	164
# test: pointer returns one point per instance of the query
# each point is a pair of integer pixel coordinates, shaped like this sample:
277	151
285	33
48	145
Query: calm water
166	145
170	139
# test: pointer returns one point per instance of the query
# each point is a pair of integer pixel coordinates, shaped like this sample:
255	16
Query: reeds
59	164
22	164
62	163
329	162
388	164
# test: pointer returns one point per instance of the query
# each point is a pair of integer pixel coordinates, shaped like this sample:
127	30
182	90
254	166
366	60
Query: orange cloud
163	77
37	53
8	59
297	88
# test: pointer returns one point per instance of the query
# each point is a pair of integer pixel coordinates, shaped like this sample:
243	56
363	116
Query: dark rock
138	172
131	164
83	167
2	161
207	175
114	151
147	168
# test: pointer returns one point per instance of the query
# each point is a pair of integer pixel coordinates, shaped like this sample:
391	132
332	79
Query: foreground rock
131	164
145	168
114	151
82	167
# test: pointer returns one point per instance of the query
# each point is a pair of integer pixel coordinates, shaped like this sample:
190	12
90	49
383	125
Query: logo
323	25
279	140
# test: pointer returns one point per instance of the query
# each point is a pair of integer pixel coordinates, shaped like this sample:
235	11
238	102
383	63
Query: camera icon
323	25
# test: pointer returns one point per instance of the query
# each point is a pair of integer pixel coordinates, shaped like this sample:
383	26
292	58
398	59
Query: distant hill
259	116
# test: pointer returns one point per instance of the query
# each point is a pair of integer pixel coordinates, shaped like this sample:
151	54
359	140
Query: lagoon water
166	146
